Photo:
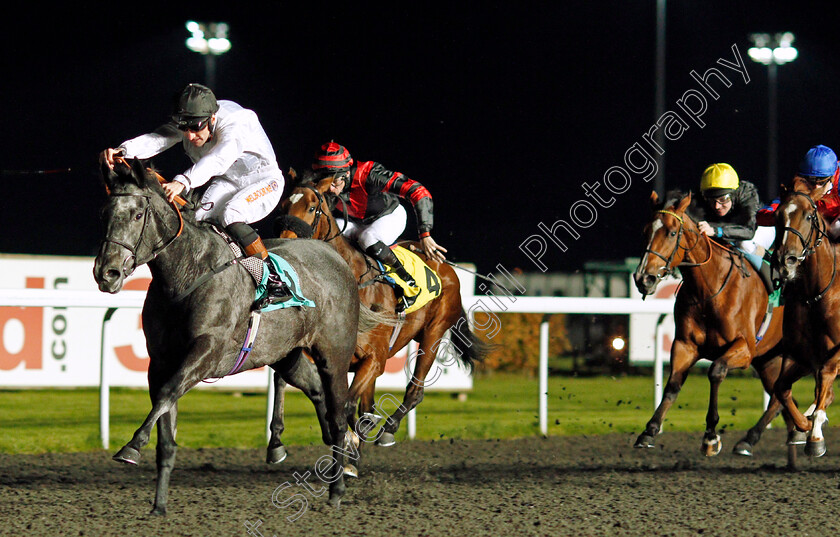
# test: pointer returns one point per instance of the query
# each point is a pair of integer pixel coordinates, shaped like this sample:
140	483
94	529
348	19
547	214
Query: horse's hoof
158	511
276	455
743	448
815	448
334	501
645	440
352	439
711	448
385	440
351	471
127	455
797	438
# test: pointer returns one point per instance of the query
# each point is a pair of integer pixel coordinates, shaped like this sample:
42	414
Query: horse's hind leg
413	392
824	393
297	370
769	373
332	368
683	356
276	452
165	457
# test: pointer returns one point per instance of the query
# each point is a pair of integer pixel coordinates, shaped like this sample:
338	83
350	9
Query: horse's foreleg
165	457
276	452
738	355
363	389
683	356
165	388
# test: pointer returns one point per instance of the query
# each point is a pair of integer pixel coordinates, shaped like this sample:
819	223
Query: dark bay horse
307	213
719	308
197	311
808	263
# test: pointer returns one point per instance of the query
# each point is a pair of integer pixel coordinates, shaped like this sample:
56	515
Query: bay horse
807	261
307	212
718	311
197	310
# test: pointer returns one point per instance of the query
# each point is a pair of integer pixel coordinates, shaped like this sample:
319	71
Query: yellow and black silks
426	278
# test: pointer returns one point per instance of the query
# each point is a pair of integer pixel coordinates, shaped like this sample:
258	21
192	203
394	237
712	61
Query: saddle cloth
425	277
290	278
257	269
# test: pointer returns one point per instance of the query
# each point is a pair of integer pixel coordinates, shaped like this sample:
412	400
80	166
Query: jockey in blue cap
820	168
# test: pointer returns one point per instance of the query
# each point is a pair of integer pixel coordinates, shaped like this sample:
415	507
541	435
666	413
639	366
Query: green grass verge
500	406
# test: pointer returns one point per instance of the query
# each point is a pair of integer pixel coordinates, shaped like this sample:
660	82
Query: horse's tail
369	319
472	348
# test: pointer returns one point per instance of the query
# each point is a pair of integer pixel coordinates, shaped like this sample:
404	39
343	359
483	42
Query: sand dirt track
535	486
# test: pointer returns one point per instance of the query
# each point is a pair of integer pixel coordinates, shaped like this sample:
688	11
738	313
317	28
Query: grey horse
197	312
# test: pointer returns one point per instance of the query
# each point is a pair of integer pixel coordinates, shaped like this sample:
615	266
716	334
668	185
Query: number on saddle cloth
426	278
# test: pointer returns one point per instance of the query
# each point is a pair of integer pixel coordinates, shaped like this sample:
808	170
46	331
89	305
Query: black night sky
501	111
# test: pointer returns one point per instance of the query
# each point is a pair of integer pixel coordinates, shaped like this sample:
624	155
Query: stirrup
276	290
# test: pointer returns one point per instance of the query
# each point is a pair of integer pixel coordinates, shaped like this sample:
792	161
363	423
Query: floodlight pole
772	51
210	40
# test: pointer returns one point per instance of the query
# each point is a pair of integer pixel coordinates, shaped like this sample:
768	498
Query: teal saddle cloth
290	277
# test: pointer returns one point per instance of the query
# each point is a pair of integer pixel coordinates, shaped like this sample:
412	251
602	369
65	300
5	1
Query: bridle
668	270
816	233
319	212
156	249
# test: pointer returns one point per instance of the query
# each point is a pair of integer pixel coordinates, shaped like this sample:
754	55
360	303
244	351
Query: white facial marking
294	198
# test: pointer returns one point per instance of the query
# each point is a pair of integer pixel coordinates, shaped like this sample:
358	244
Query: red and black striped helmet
332	157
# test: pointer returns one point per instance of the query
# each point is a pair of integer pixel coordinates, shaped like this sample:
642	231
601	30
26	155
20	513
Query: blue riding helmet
820	161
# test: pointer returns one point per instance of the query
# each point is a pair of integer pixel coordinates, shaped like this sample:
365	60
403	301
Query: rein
668	270
177	201
816	234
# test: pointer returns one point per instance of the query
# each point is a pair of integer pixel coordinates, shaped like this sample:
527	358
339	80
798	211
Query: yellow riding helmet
718	180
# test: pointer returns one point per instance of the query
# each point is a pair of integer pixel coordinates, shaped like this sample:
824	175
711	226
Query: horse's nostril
790	260
112	274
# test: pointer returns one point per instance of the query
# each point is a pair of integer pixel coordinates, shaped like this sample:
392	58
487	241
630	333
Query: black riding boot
384	255
767	278
276	289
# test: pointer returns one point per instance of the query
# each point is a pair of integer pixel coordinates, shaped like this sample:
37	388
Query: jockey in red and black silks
371	194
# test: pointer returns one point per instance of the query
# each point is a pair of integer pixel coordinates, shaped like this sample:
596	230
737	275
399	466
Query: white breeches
225	203
386	229
764	236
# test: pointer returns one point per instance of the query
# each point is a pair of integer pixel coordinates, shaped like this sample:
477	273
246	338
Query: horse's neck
193	253
700	263
354	257
821	268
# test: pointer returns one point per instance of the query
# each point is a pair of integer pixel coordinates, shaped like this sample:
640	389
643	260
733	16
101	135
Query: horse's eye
312	209
138	216
673	233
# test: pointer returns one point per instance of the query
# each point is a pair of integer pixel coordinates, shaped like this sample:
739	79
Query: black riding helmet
192	104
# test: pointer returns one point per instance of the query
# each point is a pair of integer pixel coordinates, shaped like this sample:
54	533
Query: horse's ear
654	199
138	173
293	176
324	184
108	175
684	203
